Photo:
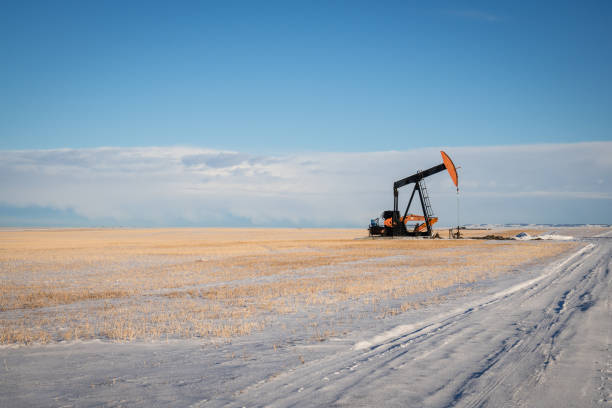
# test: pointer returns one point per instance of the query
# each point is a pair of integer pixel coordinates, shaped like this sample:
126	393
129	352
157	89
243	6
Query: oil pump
390	223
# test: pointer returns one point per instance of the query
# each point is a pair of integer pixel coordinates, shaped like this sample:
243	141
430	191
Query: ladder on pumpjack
427	211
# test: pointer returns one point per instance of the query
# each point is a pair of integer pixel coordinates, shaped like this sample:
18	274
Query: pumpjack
390	223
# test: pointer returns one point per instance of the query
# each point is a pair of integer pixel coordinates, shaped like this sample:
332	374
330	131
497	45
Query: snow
555	237
405	329
523	236
540	337
508	348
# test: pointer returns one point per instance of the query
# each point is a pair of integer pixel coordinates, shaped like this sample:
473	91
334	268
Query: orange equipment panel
412	217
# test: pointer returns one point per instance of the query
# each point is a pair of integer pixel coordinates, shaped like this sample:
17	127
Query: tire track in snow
464	358
543	339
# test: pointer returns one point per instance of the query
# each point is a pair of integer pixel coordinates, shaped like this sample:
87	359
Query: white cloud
166	185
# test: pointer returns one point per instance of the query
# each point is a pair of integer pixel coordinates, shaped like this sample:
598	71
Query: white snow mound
523	236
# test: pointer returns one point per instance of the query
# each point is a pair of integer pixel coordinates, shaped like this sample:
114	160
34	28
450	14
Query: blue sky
304	76
287	113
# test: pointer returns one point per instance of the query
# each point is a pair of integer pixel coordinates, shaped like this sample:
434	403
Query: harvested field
157	284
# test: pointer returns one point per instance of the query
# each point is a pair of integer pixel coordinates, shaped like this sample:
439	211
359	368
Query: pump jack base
396	231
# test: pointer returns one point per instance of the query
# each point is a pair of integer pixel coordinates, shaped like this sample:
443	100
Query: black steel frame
399	228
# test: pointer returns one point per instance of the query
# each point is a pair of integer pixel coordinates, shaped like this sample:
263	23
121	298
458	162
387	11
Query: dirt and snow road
540	338
544	342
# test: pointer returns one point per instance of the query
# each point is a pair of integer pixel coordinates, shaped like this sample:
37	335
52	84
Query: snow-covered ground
523	236
540	337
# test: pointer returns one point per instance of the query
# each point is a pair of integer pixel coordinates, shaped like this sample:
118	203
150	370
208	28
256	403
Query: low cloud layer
564	183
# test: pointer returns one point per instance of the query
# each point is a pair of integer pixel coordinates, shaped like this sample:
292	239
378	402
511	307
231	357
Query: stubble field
215	284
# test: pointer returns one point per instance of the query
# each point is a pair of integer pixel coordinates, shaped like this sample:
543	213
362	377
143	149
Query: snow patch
556	237
523	236
384	337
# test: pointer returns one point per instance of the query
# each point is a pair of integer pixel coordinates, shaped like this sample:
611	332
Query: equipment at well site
390	223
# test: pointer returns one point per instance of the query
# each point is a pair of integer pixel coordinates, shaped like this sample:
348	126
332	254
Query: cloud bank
167	186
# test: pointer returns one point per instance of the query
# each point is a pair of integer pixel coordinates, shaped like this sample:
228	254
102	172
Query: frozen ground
540	337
